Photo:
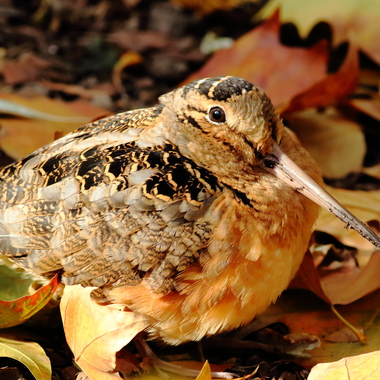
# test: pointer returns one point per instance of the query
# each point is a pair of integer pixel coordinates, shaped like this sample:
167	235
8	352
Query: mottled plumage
170	210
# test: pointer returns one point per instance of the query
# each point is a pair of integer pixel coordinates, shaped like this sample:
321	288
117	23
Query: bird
196	212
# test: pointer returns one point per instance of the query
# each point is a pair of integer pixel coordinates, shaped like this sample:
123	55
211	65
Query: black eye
217	115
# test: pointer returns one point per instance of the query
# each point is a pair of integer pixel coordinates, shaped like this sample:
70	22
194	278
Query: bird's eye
217	115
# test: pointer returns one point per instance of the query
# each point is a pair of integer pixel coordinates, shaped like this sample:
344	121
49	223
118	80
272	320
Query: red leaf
259	57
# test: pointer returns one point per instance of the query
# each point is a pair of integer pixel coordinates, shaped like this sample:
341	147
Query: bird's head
223	117
230	127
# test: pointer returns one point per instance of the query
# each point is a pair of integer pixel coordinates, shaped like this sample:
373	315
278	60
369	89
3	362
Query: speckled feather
165	210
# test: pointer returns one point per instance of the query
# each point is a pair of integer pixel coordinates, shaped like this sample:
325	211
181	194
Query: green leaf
14	283
15	312
28	353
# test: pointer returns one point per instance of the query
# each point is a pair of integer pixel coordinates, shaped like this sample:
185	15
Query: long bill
282	167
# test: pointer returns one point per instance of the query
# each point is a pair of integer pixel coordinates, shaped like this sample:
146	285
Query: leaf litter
334	114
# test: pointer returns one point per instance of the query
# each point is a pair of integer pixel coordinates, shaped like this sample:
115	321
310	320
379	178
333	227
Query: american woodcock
196	212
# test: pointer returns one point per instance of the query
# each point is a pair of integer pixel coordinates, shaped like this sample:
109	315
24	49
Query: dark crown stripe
221	88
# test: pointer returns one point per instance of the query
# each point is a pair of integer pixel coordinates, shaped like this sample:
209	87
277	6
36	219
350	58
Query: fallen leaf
20	137
28	353
95	333
205	7
14	282
365	366
331	89
334	141
373	171
8	107
345	287
370	107
259	57
205	373
342	335
301	311
129	58
349	19
99	95
364	204
140	40
28	67
307	278
15	312
339	287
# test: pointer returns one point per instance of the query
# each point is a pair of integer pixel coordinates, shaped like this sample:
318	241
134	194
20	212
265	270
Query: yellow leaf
21	136
364	204
28	353
358	367
356	20
95	333
205	373
335	142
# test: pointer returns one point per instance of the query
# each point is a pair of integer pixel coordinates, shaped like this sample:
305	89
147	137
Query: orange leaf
13	313
331	89
205	373
21	136
129	58
346	287
356	20
259	57
307	278
204	7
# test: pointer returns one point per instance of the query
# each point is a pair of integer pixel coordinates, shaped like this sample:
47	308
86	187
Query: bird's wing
105	209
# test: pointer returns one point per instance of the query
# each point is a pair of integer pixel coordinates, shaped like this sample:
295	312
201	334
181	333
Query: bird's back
106	209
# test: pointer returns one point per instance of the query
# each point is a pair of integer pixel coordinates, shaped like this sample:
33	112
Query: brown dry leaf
99	95
302	312
140	40
365	366
363	204
96	333
348	284
19	137
259	57
356	20
343	335
335	142
28	67
331	89
307	278
369	106
204	7
373	171
344	287
339	287
368	99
